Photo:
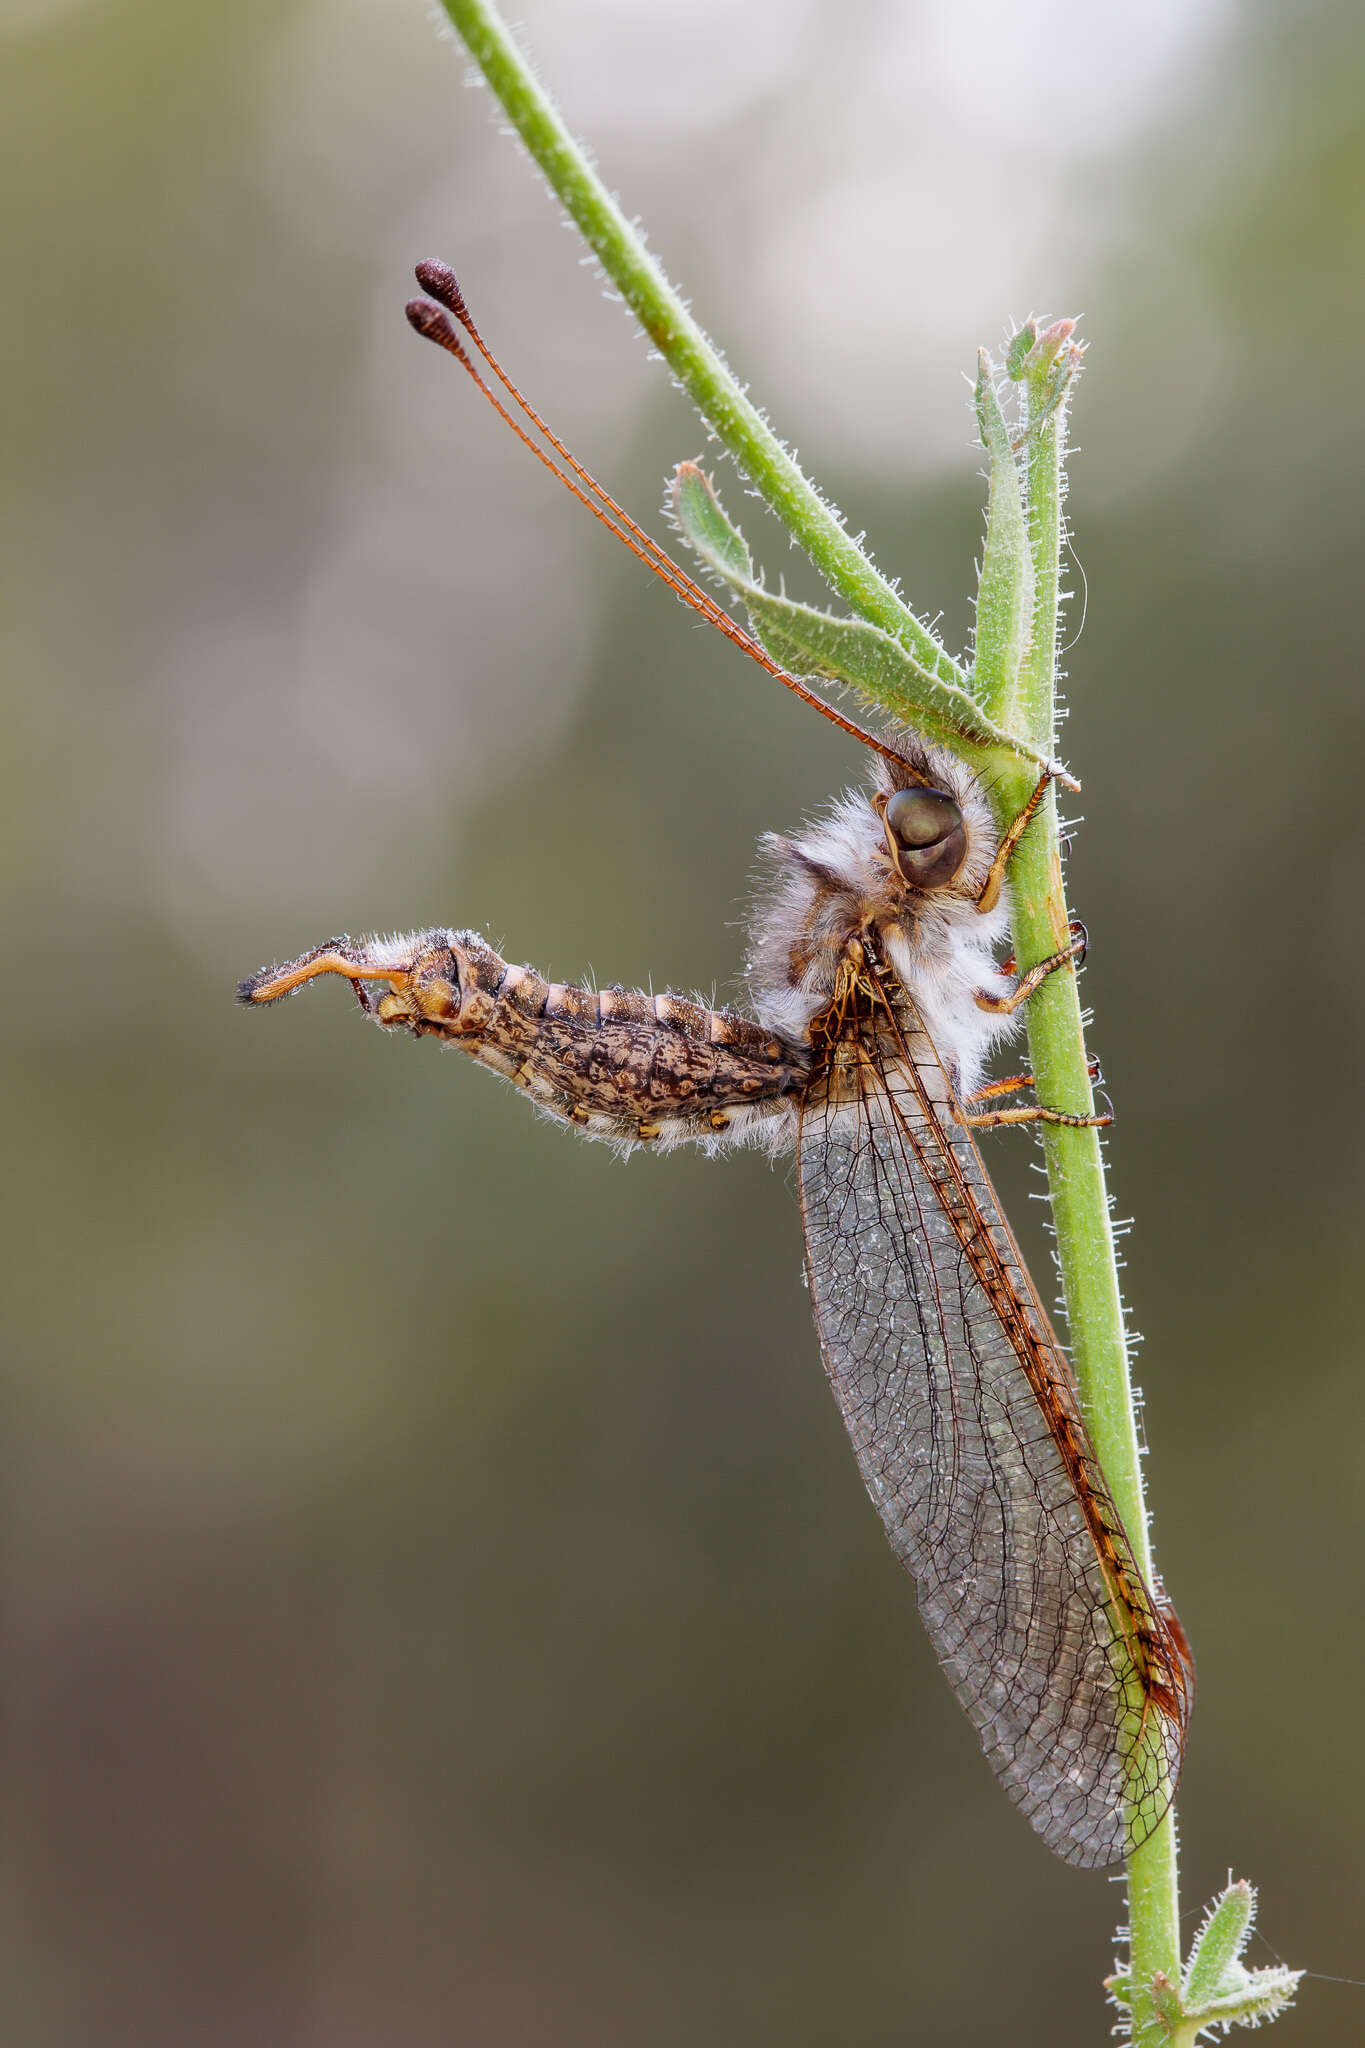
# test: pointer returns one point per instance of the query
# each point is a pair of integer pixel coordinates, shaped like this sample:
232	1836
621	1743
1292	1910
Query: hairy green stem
1018	674
695	363
1076	1180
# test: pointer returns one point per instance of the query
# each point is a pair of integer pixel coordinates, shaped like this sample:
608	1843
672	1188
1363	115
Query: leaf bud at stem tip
440	280
1049	346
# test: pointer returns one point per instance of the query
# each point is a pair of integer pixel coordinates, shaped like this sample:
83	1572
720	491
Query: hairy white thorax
828	883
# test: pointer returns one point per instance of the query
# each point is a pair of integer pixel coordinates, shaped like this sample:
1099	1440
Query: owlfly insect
875	999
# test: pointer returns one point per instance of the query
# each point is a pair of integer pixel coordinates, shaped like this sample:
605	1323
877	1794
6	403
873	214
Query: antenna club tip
246	990
430	322
440	280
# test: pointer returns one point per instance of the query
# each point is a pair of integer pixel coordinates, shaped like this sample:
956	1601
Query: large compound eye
925	837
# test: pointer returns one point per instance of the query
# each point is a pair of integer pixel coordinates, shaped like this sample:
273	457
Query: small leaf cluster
1215	1988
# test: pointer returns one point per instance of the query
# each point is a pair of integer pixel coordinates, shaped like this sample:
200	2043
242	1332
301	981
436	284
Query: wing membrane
966	1427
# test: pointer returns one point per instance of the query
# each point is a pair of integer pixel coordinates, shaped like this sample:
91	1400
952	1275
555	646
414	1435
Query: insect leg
1012	1082
1035	1114
1025	985
989	894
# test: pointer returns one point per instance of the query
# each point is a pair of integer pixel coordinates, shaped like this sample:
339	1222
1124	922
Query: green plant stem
694	362
1076	1180
1080	1206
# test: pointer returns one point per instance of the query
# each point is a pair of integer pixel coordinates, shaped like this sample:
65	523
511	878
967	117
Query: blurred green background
440	1605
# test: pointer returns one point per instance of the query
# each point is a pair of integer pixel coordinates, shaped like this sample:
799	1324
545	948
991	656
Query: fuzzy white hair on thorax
827	883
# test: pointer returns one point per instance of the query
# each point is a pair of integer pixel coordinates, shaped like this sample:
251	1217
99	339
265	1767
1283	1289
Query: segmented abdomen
619	1063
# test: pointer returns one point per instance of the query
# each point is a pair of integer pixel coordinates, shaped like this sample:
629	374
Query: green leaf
1215	1991
698	512
1047	364
1262	1995
808	642
1036	360
1004	592
1017	353
1219	1943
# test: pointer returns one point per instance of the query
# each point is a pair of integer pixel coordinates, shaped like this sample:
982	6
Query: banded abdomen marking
617	1063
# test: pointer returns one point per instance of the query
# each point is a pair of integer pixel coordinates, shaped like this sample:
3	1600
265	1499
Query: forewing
935	1345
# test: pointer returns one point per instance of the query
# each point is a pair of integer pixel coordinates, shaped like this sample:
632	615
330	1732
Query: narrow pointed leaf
698	512
1219	1943
1264	1995
1021	345
1004	594
808	642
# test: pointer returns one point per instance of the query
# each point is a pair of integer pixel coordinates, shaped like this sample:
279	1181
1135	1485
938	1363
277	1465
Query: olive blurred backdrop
440	1604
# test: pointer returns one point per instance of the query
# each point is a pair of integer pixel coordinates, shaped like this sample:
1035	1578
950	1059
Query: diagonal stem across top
695	362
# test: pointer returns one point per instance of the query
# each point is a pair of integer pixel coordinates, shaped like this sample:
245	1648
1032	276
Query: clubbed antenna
431	321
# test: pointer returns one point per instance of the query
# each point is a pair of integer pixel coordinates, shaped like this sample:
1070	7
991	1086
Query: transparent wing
966	1427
